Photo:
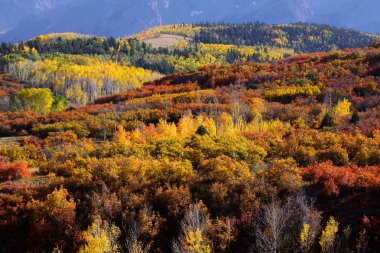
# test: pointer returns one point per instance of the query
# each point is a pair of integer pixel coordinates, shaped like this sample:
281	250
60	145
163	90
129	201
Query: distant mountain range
23	19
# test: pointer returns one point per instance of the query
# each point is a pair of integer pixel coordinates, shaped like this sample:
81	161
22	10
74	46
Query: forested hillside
82	68
262	157
182	56
301	37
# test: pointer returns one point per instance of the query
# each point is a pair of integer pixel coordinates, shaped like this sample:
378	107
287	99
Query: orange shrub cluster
12	171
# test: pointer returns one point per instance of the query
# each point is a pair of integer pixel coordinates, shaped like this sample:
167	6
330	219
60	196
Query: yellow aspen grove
37	100
81	78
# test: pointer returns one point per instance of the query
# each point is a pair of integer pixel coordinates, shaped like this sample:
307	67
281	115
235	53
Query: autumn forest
230	138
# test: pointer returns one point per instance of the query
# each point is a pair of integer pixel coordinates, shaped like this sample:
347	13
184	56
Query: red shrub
333	178
11	171
3	93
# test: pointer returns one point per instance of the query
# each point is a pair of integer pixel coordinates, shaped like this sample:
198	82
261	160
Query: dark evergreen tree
327	121
355	117
202	131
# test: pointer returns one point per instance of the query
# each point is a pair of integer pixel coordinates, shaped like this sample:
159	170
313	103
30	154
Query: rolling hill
83	68
220	145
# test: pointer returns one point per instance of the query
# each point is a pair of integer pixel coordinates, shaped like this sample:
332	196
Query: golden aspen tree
329	235
257	107
194	243
342	108
101	238
226	123
33	51
166	131
121	143
192	238
306	237
299	123
186	126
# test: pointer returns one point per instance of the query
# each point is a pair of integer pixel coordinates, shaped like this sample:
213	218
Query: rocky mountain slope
24	19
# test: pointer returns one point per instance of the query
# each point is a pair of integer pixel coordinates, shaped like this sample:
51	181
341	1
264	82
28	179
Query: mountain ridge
119	18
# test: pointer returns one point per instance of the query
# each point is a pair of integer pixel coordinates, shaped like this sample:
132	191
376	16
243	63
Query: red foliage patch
3	93
333	178
11	171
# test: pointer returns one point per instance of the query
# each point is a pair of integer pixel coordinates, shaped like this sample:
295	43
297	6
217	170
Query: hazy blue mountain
22	19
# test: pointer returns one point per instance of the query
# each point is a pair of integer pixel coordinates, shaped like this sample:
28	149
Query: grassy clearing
166	40
11	141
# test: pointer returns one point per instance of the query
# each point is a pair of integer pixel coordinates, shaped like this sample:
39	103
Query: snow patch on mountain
196	13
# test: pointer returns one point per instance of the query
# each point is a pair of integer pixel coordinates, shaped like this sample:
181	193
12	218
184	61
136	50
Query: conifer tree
327	121
355	117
